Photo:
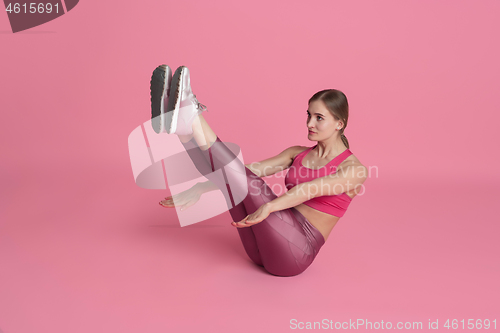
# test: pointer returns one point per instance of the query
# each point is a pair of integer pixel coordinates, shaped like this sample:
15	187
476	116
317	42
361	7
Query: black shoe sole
157	94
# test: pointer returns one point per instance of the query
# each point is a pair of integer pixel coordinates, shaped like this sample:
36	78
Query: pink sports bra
331	204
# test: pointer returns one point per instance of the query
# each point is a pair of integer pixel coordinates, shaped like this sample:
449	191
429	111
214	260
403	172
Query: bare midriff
322	221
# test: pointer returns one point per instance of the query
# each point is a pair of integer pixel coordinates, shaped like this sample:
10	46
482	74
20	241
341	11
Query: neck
330	147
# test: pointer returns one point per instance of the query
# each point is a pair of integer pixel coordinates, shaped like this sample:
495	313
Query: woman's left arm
345	179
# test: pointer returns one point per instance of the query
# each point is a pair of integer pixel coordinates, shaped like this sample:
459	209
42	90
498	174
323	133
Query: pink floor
113	260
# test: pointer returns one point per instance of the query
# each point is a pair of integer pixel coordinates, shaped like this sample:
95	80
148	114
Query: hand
184	199
258	216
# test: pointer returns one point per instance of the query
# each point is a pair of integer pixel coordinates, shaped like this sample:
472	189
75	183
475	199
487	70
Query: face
320	122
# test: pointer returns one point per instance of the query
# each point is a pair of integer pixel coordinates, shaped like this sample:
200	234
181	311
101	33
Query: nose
310	125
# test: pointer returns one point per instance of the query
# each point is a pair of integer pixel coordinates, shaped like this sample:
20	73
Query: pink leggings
285	243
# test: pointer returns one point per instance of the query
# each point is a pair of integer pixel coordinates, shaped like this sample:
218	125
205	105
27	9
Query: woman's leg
285	243
203	134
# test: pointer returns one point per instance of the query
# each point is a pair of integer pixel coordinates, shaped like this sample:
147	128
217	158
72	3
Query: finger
245	222
250	220
250	224
177	201
240	225
254	220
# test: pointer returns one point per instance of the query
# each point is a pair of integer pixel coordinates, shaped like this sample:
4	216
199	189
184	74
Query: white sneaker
183	107
160	91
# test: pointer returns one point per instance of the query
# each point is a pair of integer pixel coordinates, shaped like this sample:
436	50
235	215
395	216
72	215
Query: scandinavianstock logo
26	15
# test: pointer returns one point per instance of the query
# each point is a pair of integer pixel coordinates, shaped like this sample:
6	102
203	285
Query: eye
320	118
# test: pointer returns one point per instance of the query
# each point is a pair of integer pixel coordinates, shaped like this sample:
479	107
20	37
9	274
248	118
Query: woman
283	234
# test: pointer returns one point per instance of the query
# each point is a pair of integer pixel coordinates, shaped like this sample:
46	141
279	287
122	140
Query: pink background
84	249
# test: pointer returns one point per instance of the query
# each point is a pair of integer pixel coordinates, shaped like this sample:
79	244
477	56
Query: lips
311	132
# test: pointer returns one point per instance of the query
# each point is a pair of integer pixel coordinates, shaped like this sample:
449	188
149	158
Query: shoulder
353	163
293	151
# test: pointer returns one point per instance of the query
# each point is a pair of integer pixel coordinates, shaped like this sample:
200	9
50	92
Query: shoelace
199	106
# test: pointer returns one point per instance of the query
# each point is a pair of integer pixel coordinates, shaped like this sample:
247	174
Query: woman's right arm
275	164
262	169
207	186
